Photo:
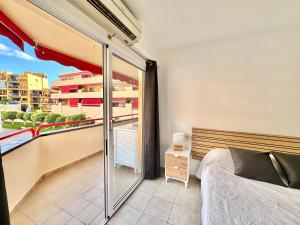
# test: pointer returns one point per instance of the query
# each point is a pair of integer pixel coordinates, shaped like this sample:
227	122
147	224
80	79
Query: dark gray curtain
4	214
152	144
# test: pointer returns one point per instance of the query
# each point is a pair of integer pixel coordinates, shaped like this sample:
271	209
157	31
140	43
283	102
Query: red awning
13	32
14	38
9	29
48	54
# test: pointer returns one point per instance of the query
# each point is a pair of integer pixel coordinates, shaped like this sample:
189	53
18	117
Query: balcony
96	94
13	81
64	181
64	176
78	81
79	94
14	95
91	111
72	194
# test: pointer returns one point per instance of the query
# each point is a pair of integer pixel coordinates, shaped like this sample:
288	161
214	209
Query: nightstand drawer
177	161
176	172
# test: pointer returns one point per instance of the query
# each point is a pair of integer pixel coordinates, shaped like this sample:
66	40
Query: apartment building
28	89
82	92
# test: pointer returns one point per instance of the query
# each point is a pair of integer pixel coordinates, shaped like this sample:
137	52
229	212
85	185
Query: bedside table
177	165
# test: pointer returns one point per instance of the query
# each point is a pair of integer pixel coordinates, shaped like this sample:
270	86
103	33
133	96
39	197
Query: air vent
112	18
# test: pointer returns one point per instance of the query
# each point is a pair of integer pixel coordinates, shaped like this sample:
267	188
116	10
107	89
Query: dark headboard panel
203	140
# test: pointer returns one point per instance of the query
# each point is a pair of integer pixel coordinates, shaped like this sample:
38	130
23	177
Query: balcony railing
49	152
38	131
30	129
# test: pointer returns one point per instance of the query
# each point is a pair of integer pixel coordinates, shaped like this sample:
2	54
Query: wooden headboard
204	140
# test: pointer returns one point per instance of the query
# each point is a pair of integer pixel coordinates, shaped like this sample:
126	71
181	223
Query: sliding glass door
124	129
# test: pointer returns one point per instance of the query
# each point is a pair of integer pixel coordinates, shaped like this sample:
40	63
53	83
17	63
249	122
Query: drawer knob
176	167
176	156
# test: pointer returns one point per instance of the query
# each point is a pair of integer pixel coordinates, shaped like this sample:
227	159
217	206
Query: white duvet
232	200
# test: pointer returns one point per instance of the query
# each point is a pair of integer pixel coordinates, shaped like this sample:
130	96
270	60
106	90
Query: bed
228	199
232	200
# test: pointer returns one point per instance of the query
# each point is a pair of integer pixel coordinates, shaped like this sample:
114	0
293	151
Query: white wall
245	83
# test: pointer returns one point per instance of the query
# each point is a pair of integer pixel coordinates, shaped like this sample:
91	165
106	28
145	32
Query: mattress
232	200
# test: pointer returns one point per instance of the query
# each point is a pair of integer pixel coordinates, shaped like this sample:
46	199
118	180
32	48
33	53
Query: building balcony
91	111
13	95
13	81
79	94
14	87
78	81
96	94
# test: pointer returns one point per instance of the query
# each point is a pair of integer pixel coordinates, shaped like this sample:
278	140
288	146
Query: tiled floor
75	196
156	202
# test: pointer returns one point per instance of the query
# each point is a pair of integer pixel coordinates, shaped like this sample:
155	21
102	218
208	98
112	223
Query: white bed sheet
232	200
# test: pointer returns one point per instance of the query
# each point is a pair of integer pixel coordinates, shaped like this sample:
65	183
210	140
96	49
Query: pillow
290	163
254	165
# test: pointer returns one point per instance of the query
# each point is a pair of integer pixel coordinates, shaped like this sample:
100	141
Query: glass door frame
111	208
127	55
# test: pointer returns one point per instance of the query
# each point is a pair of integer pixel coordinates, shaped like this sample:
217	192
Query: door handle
111	126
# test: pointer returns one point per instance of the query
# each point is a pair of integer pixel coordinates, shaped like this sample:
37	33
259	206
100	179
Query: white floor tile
146	219
180	216
139	200
159	208
125	216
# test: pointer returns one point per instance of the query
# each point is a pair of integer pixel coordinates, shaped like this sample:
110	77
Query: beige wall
245	83
24	166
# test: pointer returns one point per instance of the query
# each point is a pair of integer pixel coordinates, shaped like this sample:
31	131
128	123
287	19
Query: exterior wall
45	154
246	83
22	88
34	82
77	81
68	111
96	94
79	94
91	111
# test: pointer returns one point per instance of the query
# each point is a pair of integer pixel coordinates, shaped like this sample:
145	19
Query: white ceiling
174	23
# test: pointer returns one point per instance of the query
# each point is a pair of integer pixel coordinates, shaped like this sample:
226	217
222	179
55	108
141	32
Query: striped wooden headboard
204	140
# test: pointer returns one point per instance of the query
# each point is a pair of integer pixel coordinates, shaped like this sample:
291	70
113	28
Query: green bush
39	117
20	115
75	118
60	119
27	116
51	117
10	115
4	101
3	115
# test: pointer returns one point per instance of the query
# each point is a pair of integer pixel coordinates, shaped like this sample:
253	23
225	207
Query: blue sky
16	61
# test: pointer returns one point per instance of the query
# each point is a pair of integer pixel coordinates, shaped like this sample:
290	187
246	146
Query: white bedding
232	200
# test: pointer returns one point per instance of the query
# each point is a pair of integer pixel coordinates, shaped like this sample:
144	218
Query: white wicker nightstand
177	165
